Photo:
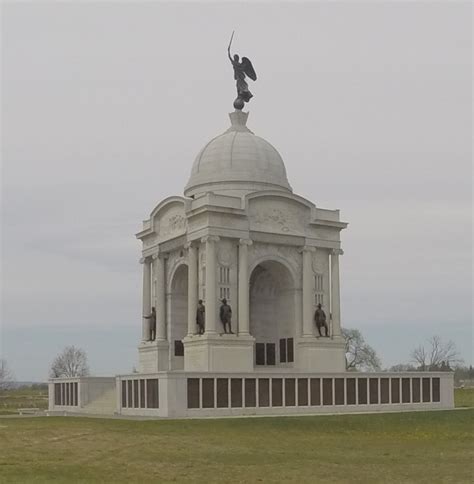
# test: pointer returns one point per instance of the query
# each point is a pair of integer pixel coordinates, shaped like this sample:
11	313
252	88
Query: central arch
272	313
178	316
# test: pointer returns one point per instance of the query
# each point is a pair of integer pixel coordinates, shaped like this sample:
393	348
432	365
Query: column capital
308	248
189	245
337	252
210	238
146	259
247	242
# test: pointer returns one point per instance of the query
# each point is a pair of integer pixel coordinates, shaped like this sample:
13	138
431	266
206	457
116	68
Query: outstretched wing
248	68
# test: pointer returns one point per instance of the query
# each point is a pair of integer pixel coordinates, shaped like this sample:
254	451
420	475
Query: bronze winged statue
242	70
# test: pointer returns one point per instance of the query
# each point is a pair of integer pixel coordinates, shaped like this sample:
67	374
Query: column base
153	356
214	352
321	354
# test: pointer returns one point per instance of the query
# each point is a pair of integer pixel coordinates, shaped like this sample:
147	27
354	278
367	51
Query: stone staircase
105	404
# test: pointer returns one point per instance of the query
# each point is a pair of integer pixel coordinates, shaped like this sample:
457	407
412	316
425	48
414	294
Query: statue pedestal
321	354
214	352
153	356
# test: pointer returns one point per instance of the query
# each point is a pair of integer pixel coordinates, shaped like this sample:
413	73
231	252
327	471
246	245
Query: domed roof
237	160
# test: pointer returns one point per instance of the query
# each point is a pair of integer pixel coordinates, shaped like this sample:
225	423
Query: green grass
421	447
25	397
464	397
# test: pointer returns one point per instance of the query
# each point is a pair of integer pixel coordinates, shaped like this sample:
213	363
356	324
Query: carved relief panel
279	215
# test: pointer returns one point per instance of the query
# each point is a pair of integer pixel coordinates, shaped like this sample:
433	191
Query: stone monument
240	238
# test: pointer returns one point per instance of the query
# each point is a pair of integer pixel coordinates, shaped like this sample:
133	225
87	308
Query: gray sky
105	106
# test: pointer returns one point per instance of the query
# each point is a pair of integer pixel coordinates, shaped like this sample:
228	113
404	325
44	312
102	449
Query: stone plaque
57	394
416	390
384	390
315	386
124	393
130	394
142	394
290	392
283	351
405	390
327	391
263	392
351	391
395	390
152	393
222	392
339	391
362	390
436	390
208	393
277	392
426	390
259	353
193	392
250	392
135	394
373	390
290	350
270	353
236	392
302	392
178	348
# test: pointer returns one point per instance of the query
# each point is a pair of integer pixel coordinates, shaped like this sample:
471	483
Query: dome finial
238	120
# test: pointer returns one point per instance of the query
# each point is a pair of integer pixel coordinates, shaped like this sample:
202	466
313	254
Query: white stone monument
240	233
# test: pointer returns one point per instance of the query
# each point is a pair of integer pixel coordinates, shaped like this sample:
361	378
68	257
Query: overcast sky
105	106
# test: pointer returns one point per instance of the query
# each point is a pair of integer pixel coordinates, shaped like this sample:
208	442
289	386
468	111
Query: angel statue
241	70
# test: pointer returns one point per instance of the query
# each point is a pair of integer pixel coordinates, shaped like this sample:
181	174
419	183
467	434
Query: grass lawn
421	447
25	397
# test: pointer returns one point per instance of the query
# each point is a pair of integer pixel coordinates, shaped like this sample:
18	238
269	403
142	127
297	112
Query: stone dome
237	160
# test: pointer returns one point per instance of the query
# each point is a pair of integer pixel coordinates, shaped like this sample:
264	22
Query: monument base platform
321	354
218	352
184	394
153	356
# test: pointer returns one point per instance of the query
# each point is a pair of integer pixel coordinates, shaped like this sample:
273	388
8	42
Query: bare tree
6	375
71	362
359	354
435	354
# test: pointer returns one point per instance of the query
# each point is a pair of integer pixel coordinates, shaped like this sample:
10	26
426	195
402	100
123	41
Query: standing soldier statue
225	314
320	320
200	318
241	70
152	318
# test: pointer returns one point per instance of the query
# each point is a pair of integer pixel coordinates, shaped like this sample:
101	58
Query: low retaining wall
186	394
189	394
77	394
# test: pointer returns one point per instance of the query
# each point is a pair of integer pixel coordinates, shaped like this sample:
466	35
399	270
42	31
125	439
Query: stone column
160	297
211	288
335	293
192	286
146	299
244	323
308	293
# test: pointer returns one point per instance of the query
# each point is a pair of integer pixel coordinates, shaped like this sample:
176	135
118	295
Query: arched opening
272	314
178	316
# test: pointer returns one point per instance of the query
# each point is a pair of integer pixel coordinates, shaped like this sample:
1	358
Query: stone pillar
192	286
308	293
244	323
160	297
146	299
335	293
211	287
